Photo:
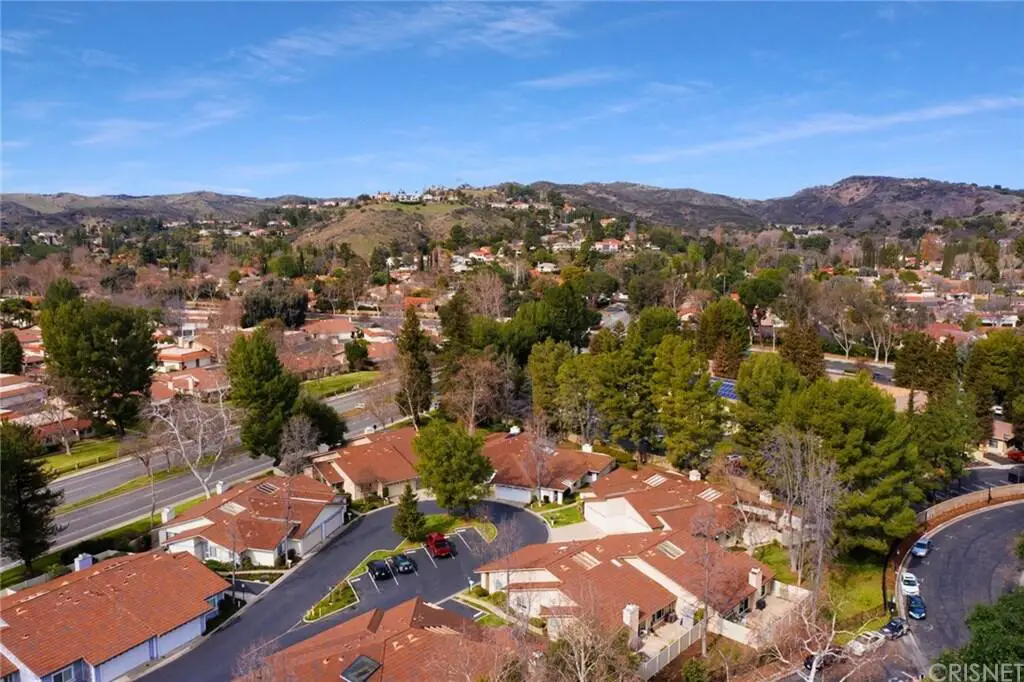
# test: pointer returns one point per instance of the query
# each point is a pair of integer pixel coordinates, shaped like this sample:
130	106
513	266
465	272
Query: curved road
277	616
973	563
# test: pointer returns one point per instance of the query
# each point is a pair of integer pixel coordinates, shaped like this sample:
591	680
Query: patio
664	635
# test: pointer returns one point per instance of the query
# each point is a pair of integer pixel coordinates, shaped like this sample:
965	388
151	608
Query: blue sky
330	99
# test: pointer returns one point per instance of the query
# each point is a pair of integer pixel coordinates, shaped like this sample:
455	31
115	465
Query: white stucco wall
495	581
179	636
512	494
614	517
531	601
189	545
261	557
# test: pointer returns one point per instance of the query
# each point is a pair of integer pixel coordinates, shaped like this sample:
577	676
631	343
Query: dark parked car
403	564
895	628
825	659
379	570
1015	475
916	608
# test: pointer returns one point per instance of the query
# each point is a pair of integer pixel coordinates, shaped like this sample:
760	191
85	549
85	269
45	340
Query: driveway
277	617
972	563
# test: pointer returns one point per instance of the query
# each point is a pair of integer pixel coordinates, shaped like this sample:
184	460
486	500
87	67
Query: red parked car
1015	455
439	546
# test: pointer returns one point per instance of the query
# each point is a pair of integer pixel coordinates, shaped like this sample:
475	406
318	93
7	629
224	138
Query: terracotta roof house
107	619
203	382
336	329
377	465
407	643
1001	440
382	352
259	520
176	358
640	581
18	394
55	424
653	498
524	469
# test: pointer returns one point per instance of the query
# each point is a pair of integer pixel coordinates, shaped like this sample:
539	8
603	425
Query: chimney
631	618
754	578
191	381
83	561
694	475
219	489
587	447
765	497
166	515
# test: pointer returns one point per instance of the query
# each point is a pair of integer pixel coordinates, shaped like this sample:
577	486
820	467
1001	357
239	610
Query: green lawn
776	557
565	517
339	383
84	453
856	589
542	507
491	621
339	598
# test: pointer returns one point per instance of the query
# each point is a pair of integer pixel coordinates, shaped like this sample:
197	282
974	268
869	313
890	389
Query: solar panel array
726	388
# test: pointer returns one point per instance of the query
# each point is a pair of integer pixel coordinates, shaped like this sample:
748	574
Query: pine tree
452	465
12	357
409	521
27	505
415	382
801	346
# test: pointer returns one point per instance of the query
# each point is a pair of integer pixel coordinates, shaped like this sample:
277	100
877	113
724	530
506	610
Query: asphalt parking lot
972	563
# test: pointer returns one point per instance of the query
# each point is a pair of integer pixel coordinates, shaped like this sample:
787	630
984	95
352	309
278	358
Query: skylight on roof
586	560
710	495
670	549
267	488
232	508
360	670
655	480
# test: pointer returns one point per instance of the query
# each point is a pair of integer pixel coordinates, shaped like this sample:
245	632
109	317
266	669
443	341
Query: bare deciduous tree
196	433
486	293
542	446
472	394
379	397
298	441
259	662
835	311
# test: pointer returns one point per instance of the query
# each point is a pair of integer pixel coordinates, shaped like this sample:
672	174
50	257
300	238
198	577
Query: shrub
538	623
478	591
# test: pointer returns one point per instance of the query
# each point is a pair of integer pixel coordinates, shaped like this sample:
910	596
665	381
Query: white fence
652	666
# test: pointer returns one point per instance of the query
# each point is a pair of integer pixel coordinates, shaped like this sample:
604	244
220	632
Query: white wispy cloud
836	124
116	131
19	41
178	87
886	13
99	59
206	115
575	79
13	144
34	109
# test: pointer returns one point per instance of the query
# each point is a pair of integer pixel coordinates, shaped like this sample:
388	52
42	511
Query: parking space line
459	533
394	570
427	551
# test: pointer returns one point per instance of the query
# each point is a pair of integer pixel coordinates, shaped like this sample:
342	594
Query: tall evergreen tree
60	291
801	346
104	356
622	391
878	461
409	522
545	360
725	319
688	407
452	464
944	434
415	383
766	385
12	357
27	526
261	386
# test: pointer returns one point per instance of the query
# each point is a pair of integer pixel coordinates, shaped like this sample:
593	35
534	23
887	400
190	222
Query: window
65	675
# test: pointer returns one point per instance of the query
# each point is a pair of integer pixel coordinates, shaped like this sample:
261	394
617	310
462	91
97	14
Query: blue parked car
921	548
916	608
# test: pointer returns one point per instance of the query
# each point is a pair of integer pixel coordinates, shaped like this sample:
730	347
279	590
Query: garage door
510	494
333	523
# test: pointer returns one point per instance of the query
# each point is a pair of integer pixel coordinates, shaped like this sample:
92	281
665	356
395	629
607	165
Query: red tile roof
102	611
411	642
252	514
387	457
329	327
514	457
6	666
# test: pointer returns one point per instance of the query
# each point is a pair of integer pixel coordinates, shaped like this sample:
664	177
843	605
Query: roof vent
232	508
586	560
267	488
710	495
514	431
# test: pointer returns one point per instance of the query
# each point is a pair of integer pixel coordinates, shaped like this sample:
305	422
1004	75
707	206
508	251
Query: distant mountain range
858	202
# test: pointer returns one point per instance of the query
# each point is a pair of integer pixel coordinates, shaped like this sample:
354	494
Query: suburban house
379	465
177	358
18	394
379	353
204	382
55	425
335	329
407	643
608	246
106	619
525	468
658	585
257	521
653	498
1001	440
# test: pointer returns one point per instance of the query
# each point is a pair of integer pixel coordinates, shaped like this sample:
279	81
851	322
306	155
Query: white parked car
865	643
909	584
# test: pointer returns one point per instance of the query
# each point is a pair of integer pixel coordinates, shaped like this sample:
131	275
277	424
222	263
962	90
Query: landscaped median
343	596
338	383
84	454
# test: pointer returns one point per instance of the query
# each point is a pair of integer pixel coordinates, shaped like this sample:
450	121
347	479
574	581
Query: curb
92	468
